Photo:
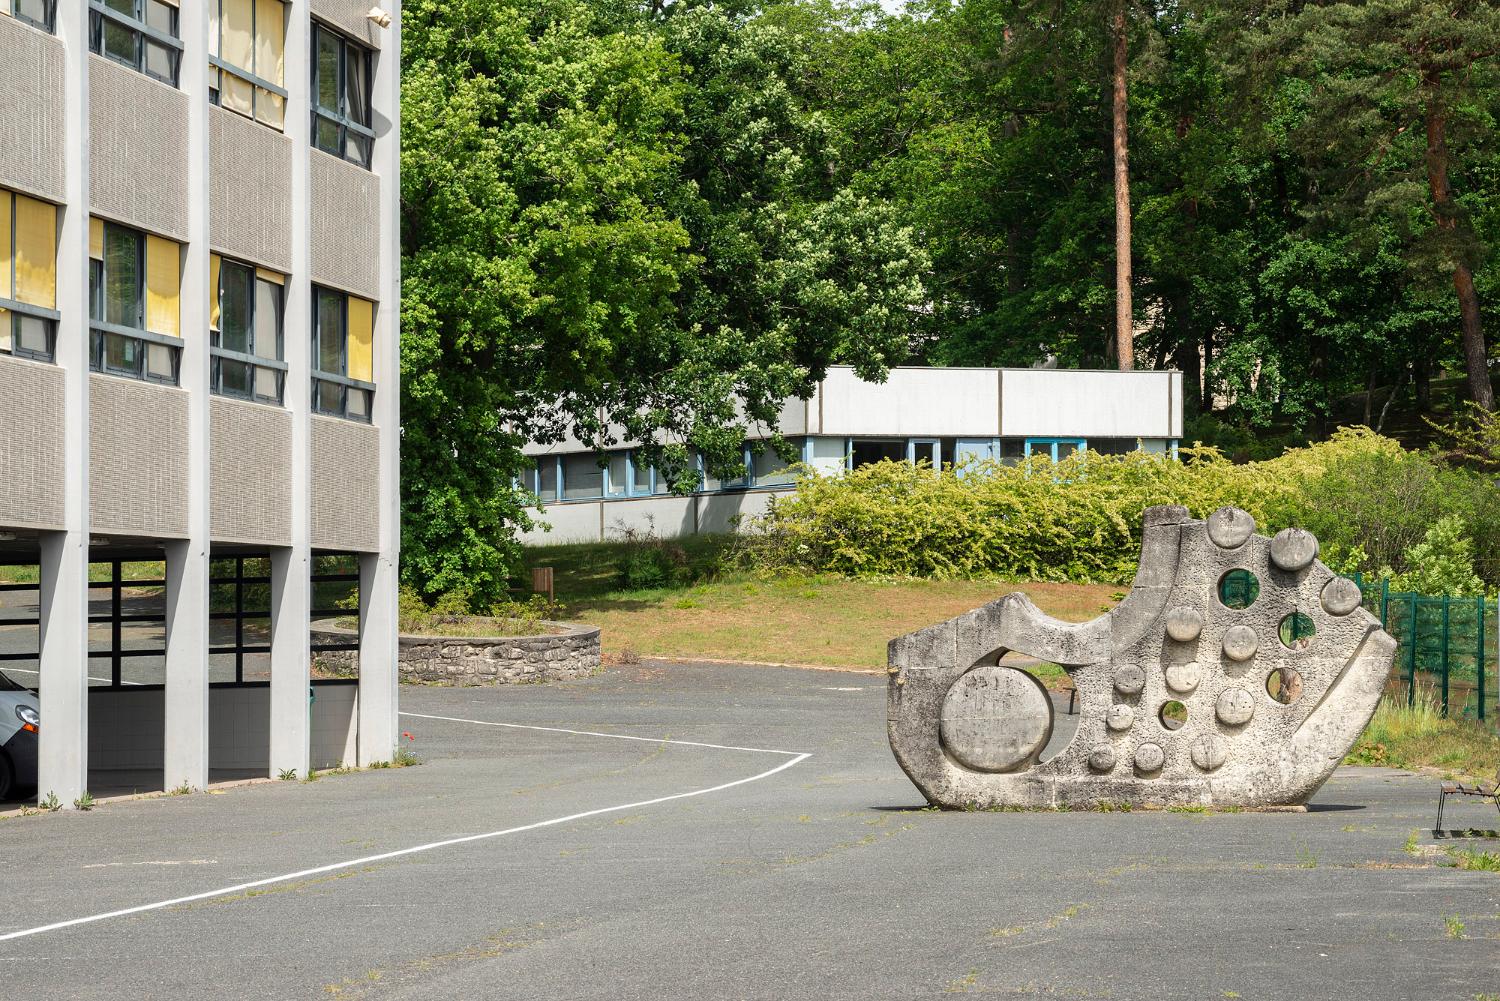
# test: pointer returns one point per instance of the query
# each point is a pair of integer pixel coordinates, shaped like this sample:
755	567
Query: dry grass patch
822	622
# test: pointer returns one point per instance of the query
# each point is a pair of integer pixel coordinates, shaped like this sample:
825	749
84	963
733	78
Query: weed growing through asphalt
51	804
404	758
1463	858
1305	858
84	802
287	775
1454	925
182	790
1411	844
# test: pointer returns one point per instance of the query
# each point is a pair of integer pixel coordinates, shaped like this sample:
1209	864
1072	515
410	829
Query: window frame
340	379
218	64
50	26
99	12
340	117
218	353
18	309
101	329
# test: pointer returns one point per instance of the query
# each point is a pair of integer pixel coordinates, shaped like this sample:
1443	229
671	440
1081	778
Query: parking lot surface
524	861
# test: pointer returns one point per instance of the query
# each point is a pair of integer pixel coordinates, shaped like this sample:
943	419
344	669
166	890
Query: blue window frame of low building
37	13
248	344
119	343
141	34
341	115
1055	448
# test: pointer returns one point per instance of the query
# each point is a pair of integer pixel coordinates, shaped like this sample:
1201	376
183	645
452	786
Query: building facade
935	415
199	285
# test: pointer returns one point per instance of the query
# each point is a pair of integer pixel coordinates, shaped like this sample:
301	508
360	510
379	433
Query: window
134	283
1057	449
546	477
640	476
619	474
582	476
247	58
708	481
37	13
928	450
343	355
142	34
245	331
341	97
770	469
1114	446
28	276
865	453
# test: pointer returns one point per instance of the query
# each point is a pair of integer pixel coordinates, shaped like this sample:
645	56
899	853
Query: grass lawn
816	621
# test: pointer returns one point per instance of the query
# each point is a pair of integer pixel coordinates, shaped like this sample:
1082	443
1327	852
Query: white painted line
595	733
27	670
223	891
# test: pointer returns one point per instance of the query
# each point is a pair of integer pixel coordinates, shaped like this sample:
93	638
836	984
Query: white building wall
935	402
1055	403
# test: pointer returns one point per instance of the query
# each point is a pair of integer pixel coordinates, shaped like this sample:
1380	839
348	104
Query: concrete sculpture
1238	671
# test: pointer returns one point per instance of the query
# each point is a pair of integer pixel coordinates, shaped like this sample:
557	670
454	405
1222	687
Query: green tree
618	227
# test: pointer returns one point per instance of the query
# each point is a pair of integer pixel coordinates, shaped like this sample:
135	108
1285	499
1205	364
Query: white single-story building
940	415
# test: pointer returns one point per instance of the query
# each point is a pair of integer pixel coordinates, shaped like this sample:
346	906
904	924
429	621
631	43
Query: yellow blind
271	276
5	223
238	29
36	252
96	238
163	285
361	339
270	41
213	290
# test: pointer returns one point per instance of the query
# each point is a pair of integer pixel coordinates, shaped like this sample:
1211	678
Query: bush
1442	563
1080	520
647	561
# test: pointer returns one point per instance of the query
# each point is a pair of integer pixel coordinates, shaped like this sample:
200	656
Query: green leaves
614	229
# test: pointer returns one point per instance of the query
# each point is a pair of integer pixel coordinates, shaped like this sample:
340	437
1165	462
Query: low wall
571	652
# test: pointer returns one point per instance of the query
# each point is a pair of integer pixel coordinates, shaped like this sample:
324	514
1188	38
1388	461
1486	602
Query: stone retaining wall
571	652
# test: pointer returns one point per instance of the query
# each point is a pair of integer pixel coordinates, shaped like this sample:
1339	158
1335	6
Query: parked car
20	721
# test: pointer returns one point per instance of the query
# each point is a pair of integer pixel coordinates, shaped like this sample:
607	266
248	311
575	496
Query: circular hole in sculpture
1238	589
1296	631
1284	685
1172	715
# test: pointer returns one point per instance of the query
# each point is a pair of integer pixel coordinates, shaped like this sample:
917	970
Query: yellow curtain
163	286
6	289
36	252
96	238
238	27
271	276
270	41
213	291
361	339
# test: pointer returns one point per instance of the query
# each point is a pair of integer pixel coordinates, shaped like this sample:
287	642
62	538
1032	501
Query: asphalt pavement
533	863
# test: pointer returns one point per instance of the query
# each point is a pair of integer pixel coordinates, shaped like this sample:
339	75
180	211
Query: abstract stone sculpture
1276	663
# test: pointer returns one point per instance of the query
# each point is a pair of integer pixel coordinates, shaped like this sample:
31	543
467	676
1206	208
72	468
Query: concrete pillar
378	650
291	567
185	753
62	768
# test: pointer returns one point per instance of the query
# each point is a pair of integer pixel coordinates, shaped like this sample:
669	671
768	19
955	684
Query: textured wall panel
250	190
31	110
250	473
348	16
31	462
345	226
345	485
138	458
139	159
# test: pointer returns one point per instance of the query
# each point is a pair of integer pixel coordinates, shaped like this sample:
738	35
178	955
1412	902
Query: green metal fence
1448	646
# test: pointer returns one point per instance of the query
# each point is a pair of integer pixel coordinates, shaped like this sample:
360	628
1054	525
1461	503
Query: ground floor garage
681	831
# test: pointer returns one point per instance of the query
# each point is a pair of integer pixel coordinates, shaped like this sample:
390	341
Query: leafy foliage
615	226
1079	520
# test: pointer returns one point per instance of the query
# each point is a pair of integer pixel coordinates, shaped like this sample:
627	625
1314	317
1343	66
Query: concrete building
938	415
199	285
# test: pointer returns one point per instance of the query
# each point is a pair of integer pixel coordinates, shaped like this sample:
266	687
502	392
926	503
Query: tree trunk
1124	313
1422	383
1476	358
